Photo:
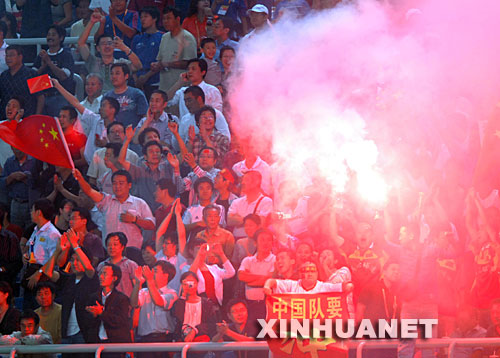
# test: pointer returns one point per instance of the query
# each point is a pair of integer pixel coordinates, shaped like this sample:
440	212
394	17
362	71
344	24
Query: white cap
259	8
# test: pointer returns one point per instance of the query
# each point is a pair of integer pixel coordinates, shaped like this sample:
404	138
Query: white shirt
254	266
97	168
78	27
3	65
153	318
73	327
162	126
260	166
112	208
298	222
102	330
194	213
43	242
219	274
242	207
189	120
95	125
292	286
192	314
93	107
213	98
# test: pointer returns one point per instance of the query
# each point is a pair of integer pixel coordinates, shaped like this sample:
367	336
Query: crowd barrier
359	345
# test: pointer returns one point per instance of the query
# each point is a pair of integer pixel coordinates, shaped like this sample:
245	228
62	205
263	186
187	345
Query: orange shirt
195	27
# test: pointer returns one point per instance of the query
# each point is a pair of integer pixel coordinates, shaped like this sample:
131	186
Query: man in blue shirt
120	22
146	46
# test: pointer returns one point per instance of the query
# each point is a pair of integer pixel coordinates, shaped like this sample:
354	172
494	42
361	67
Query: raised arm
163	228
134	59
155	293
83	48
72	100
86	188
125	29
122	158
181	230
84	260
138	281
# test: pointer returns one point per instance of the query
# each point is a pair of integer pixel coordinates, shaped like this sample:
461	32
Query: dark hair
256	175
196	92
17	48
290	252
120	235
252	217
211	207
167	184
19	99
60	31
262	231
193	8
189	274
113	103
167	268
45	284
150	144
117	272
162	93
84	213
148	243
115	123
210	109
46	207
201	63
3	28
123	66
6	288
224	49
177	13
234	301
172	237
206	40
64	202
72	111
153	11
29	314
13	22
216	155
115	147
202	180
142	136
227	23
124	173
100	37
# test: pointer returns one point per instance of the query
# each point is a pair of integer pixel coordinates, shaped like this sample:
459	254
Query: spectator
165	195
171	245
75	140
293	8
83	13
255	270
147	45
171	61
111	307
64	209
259	18
37	16
133	104
11	22
148	251
62	14
252	202
210	275
133	213
196	19
146	174
14	182
224	183
196	316
467	327
195	75
213	233
105	46
285	265
227	56
13	83
194	100
209	49
3	45
10	315
253	162
49	311
10	254
120	22
57	62
111	162
115	132
223	27
208	135
494	328
93	88
60	186
155	303
138	5
30	334
41	246
157	118
246	246
93	127
238	329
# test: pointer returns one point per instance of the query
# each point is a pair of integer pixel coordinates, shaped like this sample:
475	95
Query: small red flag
38	136
40	83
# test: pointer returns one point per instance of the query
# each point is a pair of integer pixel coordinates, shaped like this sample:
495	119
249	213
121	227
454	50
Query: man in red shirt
76	140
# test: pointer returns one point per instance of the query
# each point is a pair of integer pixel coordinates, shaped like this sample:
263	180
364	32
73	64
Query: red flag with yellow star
38	136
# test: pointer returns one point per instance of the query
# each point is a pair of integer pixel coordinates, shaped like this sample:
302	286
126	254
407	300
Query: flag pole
63	139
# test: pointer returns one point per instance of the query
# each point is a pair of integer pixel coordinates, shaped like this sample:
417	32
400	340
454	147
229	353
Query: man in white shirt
196	71
253	162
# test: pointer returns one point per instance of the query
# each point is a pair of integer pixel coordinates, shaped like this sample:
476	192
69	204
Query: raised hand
129	133
172	159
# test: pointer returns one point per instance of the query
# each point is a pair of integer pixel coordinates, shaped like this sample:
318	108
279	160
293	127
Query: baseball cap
259	8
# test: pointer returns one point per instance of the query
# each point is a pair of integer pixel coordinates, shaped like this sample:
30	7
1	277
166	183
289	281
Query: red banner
307	306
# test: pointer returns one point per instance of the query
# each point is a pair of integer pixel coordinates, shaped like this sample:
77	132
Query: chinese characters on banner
307	306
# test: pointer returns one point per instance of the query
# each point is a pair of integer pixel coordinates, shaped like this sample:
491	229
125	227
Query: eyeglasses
308	269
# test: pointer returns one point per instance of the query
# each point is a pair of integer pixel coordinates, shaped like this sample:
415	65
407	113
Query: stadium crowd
173	227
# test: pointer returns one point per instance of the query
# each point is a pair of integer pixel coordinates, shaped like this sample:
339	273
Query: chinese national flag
39	83
38	136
